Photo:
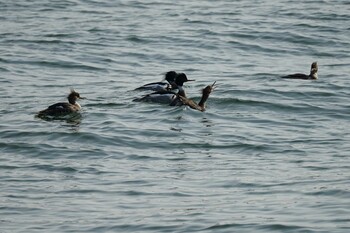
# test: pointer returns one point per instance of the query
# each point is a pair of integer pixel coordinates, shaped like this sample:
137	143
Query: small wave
284	228
52	168
60	35
136	39
331	192
55	64
41	41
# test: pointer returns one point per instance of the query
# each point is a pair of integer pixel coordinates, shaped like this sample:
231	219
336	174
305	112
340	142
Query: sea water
268	154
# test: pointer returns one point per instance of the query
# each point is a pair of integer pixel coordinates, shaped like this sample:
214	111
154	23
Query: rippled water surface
268	155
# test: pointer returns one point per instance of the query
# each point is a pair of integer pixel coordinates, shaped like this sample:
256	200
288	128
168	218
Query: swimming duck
161	86
312	75
167	97
63	108
201	105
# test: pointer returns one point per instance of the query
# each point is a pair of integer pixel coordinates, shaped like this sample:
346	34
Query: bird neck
181	91
72	99
77	104
204	98
313	75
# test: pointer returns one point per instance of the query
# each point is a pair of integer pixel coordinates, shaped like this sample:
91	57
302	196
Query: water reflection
207	122
72	121
176	129
203	126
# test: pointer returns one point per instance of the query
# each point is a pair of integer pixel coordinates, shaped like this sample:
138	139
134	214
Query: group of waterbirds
170	92
173	92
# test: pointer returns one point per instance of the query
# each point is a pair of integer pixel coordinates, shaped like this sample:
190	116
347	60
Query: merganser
63	108
161	86
201	105
167	97
312	75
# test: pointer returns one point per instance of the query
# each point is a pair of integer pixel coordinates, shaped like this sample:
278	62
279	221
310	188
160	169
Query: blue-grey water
268	155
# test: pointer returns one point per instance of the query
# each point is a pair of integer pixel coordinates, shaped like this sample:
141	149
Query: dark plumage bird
312	75
161	86
167	97
201	105
63	108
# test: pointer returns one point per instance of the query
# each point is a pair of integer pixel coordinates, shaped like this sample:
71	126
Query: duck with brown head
202	103
313	73
63	108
